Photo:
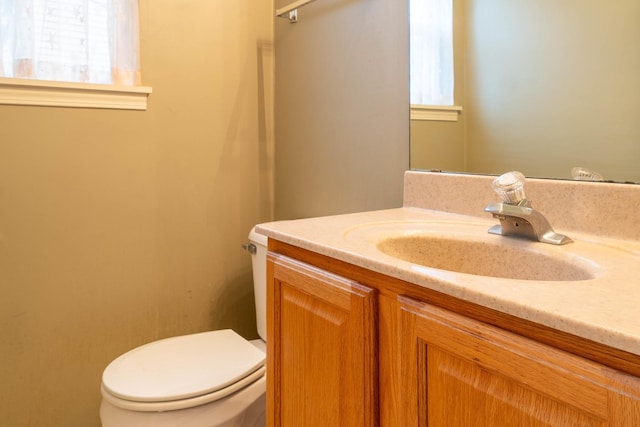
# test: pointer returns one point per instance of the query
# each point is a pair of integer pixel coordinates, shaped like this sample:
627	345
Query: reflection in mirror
544	86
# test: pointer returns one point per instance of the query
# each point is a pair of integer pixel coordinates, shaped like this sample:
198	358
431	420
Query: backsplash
599	208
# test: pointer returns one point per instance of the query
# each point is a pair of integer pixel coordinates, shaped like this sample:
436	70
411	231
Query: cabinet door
321	354
459	372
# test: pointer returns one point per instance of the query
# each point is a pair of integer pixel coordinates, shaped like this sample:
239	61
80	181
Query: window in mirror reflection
431	52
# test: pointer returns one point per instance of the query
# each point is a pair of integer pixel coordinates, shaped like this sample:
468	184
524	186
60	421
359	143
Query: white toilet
210	379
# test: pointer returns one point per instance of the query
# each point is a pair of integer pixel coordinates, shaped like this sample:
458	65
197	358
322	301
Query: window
431	52
82	42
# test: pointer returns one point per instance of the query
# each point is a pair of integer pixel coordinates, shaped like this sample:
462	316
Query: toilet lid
182	367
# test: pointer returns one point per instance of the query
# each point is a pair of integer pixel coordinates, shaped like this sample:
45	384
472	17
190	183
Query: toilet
208	379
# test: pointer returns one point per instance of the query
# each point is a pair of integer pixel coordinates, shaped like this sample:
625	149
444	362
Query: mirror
544	86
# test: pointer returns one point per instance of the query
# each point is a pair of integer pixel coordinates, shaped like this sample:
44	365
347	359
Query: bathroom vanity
362	335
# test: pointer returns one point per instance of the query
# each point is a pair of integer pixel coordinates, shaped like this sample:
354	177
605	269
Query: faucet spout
523	221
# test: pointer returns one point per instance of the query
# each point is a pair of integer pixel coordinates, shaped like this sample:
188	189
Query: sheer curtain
431	52
88	41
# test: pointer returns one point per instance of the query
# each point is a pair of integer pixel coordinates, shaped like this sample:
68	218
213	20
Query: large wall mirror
544	86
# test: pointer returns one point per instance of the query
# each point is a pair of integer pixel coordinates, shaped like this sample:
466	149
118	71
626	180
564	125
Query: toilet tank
259	265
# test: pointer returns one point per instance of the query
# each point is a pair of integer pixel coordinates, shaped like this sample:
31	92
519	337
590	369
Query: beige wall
438	145
118	227
547	86
341	112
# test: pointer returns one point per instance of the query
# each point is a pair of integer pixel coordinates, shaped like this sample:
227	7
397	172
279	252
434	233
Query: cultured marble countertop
604	309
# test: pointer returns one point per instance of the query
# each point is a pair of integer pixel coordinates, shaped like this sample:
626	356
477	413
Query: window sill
435	112
65	94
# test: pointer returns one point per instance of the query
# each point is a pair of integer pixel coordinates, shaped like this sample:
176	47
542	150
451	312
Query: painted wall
341	112
117	227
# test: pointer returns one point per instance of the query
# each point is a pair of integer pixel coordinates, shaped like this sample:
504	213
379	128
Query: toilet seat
182	372
183	403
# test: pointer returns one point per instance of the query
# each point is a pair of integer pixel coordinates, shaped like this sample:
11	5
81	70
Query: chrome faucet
517	217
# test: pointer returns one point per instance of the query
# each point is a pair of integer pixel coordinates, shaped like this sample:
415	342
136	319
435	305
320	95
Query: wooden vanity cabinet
348	347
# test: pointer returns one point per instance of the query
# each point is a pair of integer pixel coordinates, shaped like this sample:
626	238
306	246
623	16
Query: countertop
603	309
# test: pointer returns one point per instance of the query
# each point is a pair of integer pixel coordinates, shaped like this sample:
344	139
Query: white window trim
66	94
435	112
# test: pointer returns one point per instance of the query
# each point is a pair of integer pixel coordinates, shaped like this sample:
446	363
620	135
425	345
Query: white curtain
89	41
431	52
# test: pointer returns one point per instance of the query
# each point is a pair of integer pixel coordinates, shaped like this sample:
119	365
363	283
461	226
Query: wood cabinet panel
322	364
456	371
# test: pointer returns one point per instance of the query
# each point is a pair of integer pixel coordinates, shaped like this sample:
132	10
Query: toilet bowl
208	379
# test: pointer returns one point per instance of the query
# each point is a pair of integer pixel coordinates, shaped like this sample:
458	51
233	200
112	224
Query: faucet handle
510	188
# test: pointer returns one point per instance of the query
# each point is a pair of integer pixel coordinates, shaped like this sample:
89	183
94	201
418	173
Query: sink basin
468	248
482	258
